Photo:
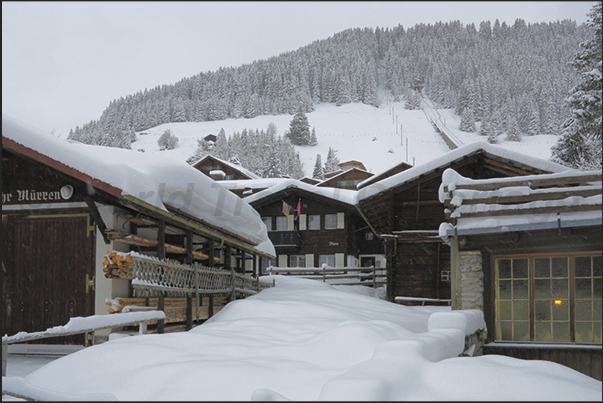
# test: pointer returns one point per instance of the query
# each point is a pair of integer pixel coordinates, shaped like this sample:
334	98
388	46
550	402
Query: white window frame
267	222
297	260
314	222
281	223
328	259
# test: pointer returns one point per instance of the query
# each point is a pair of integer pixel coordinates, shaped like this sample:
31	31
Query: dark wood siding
45	262
585	360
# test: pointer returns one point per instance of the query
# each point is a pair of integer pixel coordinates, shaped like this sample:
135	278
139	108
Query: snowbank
306	340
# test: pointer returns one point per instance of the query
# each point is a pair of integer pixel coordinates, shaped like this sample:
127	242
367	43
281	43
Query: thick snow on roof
156	181
261	183
232	165
342	195
507	217
412	173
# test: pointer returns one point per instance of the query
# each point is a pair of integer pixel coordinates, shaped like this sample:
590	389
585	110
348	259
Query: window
535	300
330	221
268	222
281	223
314	222
265	263
368	236
297	261
328	259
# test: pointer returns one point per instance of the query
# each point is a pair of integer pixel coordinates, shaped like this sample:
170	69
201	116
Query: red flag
299	207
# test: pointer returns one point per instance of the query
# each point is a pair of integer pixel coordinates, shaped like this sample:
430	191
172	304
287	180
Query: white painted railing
367	276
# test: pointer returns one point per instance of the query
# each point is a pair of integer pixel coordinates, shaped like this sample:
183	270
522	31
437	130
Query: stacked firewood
117	265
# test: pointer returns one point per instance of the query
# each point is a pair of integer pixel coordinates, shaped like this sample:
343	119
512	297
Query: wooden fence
367	276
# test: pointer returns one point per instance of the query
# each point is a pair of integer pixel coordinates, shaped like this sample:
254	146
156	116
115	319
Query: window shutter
339	259
309	260
340	220
302	222
282	260
290	222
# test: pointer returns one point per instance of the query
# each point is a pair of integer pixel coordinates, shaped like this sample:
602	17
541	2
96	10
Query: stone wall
471	287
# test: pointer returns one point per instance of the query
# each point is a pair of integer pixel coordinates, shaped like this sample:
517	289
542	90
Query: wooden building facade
59	221
322	226
405	210
527	252
348	179
218	169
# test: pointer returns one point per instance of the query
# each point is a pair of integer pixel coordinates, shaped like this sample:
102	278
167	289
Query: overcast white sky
64	62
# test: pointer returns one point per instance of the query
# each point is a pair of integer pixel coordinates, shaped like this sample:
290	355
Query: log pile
118	265
174	308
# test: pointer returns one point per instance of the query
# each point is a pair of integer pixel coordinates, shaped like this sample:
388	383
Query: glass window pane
504	289
583	288
521	331
314	221
542	267
584	310
504	268
520	289
583	266
584	332
597	266
597	288
542	331
561	312
281	223
520	268
520	310
561	331
504	310
268	222
597	331
560	288
330	221
506	330
542	289
597	310
542	310
559	267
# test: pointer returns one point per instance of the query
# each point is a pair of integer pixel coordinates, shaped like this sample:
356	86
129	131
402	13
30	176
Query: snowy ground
377	137
306	340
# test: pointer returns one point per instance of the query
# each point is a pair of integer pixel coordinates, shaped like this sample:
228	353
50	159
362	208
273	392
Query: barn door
46	262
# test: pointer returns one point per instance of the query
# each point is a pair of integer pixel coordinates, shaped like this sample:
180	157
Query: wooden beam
561	194
529	211
532	182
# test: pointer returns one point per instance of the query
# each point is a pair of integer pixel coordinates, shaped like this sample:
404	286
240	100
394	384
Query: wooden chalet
347	179
351	164
247	187
527	252
65	205
322	226
218	169
405	211
310	181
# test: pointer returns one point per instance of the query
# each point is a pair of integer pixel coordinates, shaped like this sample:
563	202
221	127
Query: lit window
541	285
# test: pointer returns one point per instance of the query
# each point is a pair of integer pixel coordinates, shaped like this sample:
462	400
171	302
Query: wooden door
45	261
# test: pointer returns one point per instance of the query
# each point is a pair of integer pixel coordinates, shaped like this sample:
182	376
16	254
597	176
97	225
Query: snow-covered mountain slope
378	137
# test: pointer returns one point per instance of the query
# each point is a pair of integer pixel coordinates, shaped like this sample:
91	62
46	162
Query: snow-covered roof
341	195
347	171
158	182
261	183
237	167
532	202
451	156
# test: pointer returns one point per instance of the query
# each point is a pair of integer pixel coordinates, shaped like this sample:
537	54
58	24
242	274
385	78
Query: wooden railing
367	276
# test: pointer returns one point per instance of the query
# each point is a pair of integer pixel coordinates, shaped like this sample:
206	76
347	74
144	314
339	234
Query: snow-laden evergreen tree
534	124
167	141
580	144
318	172
495	127
513	132
332	162
467	121
299	129
313	140
484	128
